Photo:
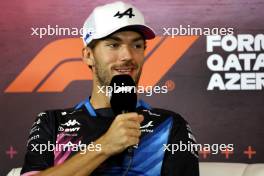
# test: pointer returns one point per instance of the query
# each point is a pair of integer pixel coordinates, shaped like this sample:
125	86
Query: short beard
102	75
138	76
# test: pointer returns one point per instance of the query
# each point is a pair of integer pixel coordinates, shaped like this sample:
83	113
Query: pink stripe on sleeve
30	173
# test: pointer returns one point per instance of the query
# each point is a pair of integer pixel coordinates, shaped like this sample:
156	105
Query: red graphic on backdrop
227	152
249	152
204	153
170	85
11	152
58	64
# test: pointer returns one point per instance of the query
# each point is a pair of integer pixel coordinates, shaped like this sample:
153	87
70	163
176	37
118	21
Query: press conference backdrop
215	83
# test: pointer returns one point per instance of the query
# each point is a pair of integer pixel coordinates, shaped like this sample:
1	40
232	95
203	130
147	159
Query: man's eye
138	46
113	45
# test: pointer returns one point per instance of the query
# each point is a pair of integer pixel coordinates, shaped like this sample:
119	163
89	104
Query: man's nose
126	53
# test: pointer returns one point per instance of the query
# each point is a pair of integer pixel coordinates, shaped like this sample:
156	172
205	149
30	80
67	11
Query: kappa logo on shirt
71	123
68	124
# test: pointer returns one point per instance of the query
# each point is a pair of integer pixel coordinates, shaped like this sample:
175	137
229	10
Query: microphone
123	97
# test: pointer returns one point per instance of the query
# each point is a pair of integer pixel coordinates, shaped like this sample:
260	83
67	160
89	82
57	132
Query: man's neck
99	99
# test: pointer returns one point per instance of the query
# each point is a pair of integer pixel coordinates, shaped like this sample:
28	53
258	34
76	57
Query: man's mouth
124	70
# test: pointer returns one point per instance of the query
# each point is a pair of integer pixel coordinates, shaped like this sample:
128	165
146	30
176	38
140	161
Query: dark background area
234	117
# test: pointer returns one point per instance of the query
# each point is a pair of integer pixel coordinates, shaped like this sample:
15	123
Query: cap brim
145	30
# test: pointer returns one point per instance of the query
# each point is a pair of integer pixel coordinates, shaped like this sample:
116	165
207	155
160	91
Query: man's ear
88	56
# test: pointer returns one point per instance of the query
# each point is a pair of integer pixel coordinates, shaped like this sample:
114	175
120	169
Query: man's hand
123	132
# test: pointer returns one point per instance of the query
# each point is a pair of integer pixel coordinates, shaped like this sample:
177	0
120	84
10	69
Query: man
114	37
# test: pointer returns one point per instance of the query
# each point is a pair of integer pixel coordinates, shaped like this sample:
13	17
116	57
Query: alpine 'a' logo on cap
128	12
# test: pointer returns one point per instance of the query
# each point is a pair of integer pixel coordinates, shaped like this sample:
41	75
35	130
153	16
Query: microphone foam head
124	97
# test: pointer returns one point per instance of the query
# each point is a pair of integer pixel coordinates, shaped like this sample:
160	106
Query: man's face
121	53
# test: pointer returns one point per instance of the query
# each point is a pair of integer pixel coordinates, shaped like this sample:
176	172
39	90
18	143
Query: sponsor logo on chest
69	126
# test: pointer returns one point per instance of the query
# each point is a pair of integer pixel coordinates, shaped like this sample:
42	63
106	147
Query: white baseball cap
106	19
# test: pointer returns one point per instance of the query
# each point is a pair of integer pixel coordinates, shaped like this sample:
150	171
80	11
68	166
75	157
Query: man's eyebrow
114	38
138	38
118	39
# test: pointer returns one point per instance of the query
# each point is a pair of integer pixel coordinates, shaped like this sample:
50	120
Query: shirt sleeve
180	158
38	156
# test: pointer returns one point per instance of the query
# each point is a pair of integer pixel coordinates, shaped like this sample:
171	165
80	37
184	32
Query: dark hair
93	43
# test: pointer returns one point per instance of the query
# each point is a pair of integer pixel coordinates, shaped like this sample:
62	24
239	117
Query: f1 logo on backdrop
58	64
